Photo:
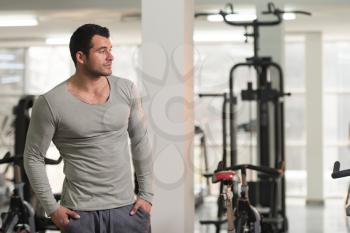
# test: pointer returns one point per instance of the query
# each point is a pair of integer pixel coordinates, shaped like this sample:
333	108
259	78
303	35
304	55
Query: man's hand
140	203
61	217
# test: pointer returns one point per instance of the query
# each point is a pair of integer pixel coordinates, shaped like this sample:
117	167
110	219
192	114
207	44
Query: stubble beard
98	73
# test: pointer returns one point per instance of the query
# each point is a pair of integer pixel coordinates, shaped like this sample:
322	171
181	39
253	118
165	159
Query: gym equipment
220	201
267	193
21	216
229	183
337	173
244	218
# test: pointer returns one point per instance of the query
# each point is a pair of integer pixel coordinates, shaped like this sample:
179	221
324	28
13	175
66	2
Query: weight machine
266	193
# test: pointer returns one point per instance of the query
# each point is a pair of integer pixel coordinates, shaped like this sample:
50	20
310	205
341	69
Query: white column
314	148
166	76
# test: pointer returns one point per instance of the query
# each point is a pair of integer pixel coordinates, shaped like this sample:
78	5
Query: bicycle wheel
242	224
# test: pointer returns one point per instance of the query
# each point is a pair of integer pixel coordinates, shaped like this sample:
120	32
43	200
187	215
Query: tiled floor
302	219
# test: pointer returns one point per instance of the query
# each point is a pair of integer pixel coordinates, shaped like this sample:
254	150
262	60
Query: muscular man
89	118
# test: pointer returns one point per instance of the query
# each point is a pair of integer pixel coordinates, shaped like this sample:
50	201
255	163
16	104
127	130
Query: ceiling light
215	18
232	17
57	40
18	20
221	36
244	17
241	17
289	16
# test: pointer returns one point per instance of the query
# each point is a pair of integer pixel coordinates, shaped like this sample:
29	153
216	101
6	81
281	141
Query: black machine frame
269	94
245	217
21	215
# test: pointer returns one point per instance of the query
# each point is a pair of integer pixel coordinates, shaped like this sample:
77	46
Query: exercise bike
242	217
20	217
337	173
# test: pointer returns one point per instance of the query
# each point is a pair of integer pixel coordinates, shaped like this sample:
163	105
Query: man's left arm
141	152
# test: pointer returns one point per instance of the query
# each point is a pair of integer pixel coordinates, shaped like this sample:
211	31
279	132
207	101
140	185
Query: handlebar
274	172
251	23
200	95
7	158
271	10
337	173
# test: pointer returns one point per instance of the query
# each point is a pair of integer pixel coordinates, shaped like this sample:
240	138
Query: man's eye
104	51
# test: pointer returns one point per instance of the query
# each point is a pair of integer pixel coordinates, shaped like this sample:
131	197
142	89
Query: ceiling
14	5
60	18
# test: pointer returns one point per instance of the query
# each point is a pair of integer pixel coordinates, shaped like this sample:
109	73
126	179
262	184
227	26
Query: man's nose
110	56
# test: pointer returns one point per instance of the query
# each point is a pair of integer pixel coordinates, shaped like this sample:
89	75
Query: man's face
99	61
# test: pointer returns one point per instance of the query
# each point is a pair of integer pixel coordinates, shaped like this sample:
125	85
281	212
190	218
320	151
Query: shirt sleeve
140	147
39	136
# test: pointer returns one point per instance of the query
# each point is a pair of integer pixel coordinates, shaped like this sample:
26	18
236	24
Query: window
336	114
12	63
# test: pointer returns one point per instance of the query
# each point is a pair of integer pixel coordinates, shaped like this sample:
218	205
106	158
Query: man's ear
81	57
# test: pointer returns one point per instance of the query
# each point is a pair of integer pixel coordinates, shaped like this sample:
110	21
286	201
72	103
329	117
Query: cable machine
266	193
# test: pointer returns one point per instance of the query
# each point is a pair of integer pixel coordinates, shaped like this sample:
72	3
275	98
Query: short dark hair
81	38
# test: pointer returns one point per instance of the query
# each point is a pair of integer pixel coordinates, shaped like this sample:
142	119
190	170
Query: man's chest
89	121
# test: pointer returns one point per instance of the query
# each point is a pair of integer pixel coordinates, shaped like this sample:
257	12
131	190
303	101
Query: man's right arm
40	133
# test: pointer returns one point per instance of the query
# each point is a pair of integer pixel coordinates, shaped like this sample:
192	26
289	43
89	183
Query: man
89	118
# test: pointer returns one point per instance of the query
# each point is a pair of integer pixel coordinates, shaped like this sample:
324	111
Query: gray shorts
116	220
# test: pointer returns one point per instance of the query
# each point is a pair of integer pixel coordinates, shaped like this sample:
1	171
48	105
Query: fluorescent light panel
221	36
18	20
241	17
215	18
232	17
289	16
57	40
244	17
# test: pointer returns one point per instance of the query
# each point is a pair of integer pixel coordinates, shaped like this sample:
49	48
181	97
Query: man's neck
87	83
91	90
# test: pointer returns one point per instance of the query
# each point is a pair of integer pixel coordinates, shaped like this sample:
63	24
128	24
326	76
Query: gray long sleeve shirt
93	142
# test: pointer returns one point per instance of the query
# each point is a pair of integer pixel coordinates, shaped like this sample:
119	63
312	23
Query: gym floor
302	219
329	218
